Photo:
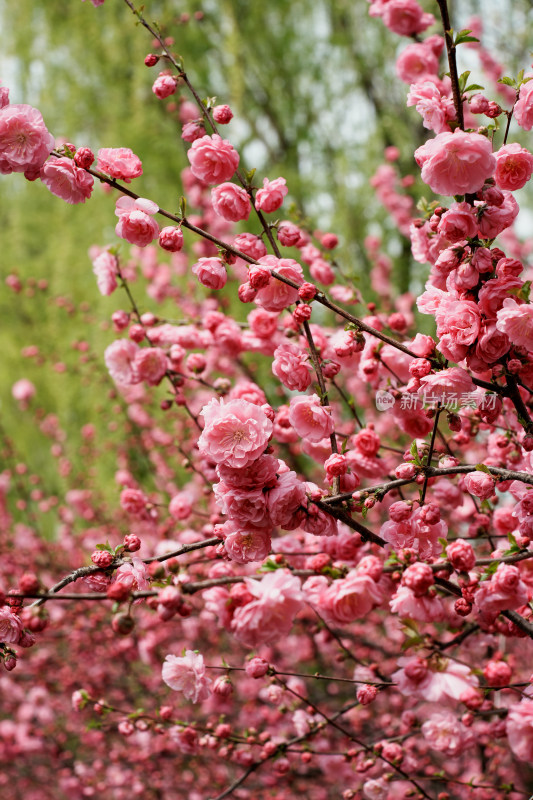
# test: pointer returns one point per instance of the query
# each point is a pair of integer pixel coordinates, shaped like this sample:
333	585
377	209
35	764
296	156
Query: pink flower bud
257	667
418	577
122	624
84	157
222	115
171	239
366	694
102	558
151	59
132	543
405	471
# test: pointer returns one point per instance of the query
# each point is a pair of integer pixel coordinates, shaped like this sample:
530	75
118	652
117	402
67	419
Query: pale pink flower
514	165
246	506
270	197
105	267
523	110
23	390
270	616
187	674
278	295
10	626
516	321
250	245
435	109
135	223
417	63
67	181
211	273
504	591
246	544
135	574
309	418
431	682
120	163
213	159
181	506
406	17
519	725
424	609
119	359
291	365
456	163
231	202
263	323
445	733
257	475
235	433
25	143
150	365
493	293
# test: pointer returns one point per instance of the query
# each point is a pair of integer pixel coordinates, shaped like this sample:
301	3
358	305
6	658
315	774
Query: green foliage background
315	98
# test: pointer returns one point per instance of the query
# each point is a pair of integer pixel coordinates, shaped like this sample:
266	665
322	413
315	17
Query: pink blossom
309	418
67	181
289	234
461	555
270	616
406	17
120	163
523	110
435	109
445	733
164	85
25	143
456	163
291	366
408	605
519	726
433	682
213	159
493	293
345	600
321	272
250	245
493	219
246	507
458	223
505	590
119	359
235	433
285	501
257	475
10	626
479	484
231	202
514	165
23	390
222	114
417	63
4	96
135	574
278	295
211	273
492	343
270	197
135	222
150	365
105	267
187	674
515	320
171	239
453	381
247	544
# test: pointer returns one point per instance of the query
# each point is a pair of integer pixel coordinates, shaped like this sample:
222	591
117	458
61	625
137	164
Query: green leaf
269	566
105	546
474	87
483	468
507	81
463	78
464	36
182	205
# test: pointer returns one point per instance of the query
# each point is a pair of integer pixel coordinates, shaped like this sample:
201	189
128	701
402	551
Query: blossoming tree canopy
311	574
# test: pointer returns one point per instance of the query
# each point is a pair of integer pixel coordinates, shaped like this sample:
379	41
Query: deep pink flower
270	197
136	223
231	202
291	366
164	85
278	295
150	365
211	272
417	63
120	163
25	143
187	674
406	17
285	501
171	239
479	484
213	159
235	433
458	223
435	108
10	626
514	165
456	163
